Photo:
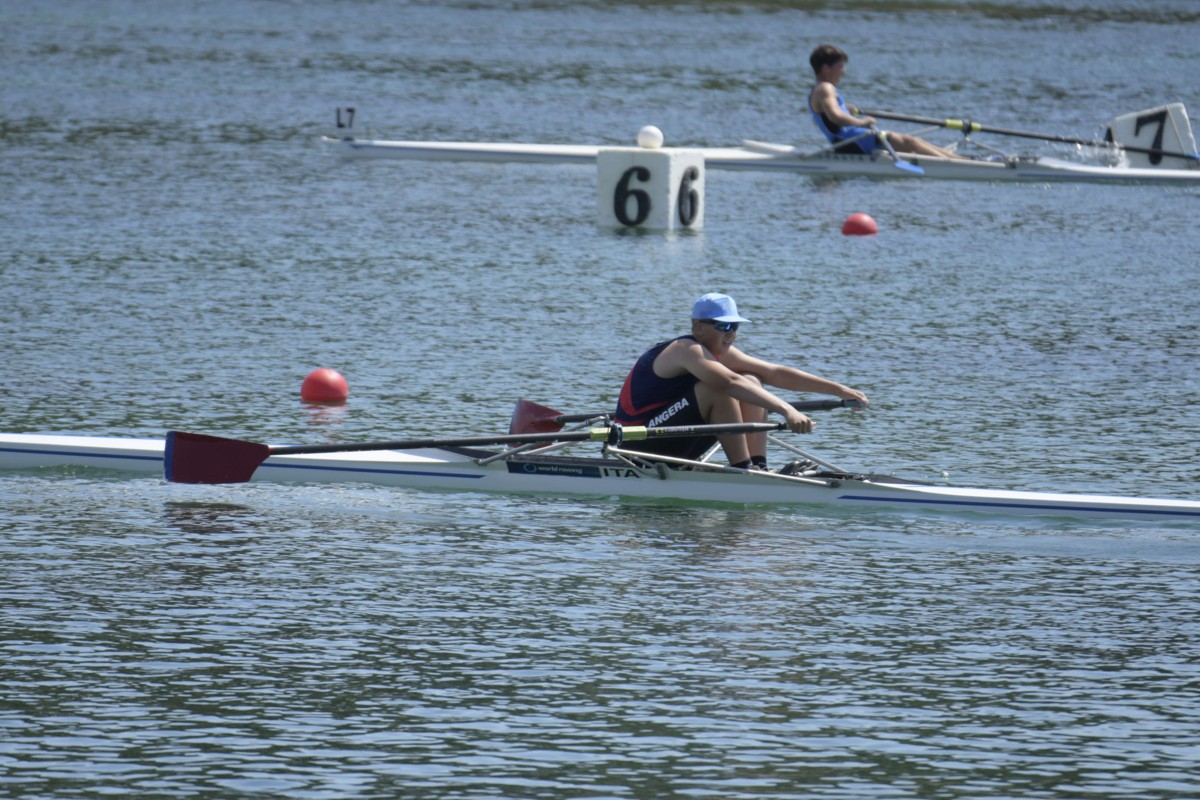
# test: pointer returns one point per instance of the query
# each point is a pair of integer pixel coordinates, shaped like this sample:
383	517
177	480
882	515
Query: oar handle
826	405
952	124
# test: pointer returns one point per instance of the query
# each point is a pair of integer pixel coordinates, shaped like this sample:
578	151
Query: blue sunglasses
723	327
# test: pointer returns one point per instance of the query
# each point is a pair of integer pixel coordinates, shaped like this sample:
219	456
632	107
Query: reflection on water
205	517
326	415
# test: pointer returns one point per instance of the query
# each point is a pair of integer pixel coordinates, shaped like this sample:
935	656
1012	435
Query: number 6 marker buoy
650	187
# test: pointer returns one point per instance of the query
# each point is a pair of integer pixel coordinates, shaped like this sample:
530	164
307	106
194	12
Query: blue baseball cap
719	307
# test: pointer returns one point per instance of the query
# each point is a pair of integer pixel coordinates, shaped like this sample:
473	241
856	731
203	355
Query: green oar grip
615	434
963	125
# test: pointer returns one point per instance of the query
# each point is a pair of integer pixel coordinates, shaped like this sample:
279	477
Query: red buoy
324	386
859	225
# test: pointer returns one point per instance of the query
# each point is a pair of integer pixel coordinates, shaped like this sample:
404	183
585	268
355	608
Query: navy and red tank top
645	393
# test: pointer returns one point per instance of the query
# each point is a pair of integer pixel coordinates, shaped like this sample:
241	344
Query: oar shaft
966	126
422	444
568	419
529	418
630	433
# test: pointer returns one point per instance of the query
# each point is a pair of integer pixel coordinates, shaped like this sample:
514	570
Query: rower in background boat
837	122
701	377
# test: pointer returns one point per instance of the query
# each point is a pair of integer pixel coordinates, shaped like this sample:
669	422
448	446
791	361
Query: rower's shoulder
682	349
823	92
681	345
683	340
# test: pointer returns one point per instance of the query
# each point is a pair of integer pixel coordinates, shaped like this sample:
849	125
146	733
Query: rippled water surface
180	250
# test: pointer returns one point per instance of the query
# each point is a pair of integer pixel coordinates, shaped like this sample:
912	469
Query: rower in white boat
1152	146
702	377
843	126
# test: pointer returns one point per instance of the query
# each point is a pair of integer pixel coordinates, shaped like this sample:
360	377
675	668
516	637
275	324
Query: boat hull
459	470
762	157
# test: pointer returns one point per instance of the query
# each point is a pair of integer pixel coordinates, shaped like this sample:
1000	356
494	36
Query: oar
200	458
966	126
529	417
904	165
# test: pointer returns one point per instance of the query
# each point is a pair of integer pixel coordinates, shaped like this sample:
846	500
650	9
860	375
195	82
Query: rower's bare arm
715	374
751	391
791	378
825	102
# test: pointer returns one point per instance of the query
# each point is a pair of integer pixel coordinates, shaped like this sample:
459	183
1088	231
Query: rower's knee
717	406
751	412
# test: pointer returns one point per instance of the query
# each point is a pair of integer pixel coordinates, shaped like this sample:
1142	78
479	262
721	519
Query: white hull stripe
926	501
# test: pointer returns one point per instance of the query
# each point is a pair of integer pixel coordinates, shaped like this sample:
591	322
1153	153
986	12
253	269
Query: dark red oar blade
200	458
529	417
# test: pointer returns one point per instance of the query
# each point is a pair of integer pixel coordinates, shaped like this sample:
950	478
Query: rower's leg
718	408
905	143
756	443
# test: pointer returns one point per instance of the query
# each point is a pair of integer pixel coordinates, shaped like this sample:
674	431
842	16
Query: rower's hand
797	422
855	394
868	122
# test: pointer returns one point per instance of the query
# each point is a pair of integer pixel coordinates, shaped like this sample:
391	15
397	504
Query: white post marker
1163	128
650	186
